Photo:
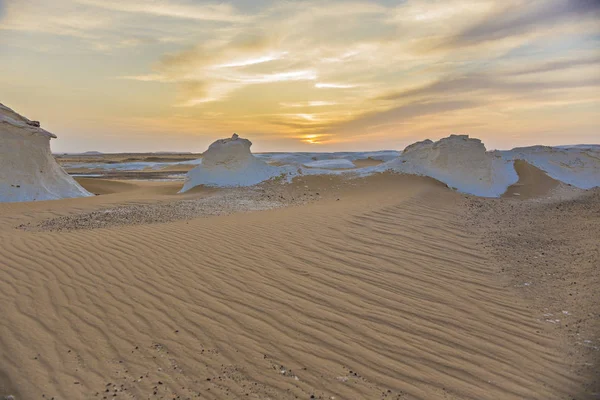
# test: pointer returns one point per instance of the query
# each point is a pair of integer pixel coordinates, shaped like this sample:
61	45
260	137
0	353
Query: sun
311	139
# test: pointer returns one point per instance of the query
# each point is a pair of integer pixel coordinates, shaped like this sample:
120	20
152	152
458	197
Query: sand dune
533	182
105	186
372	289
547	248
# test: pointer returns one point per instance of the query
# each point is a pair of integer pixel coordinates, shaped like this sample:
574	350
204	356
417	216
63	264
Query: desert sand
175	166
99	164
385	287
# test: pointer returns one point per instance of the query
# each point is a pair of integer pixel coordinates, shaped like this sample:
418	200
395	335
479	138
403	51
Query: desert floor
102	165
386	287
71	163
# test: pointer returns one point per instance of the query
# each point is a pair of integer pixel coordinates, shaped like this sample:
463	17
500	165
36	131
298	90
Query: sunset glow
133	75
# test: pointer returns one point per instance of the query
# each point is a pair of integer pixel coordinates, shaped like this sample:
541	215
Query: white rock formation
336	163
576	165
229	162
28	171
305	158
458	161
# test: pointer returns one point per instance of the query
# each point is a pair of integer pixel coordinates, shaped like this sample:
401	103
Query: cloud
62	19
193	89
108	26
396	82
303	75
299	124
518	18
558	65
347	69
148	78
406	112
183	10
252	61
238	50
313	103
480	83
324	85
2	9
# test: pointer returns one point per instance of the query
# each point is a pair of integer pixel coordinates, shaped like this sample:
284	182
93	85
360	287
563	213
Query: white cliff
229	162
28	171
460	162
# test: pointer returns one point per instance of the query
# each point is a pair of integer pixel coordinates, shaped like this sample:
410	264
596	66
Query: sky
175	75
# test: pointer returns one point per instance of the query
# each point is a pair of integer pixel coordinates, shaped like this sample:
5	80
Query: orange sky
150	75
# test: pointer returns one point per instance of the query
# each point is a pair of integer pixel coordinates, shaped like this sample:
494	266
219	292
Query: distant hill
580	146
87	153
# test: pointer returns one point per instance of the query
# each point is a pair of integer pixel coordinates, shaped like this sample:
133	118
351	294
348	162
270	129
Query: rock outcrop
460	162
575	165
28	171
229	162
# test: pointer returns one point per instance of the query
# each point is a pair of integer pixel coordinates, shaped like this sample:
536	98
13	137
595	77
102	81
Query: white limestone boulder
460	162
28	171
575	165
229	162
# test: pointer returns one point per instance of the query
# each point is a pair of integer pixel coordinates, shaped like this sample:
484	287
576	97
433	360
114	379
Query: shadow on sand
7	390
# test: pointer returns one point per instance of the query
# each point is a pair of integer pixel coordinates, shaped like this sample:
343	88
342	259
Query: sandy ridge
382	294
547	250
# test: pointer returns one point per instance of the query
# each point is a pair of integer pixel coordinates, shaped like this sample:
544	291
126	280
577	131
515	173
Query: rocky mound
28	171
229	162
460	162
575	165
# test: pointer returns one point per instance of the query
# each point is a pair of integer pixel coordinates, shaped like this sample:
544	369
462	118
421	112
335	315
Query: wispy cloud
514	18
313	103
482	83
148	78
344	70
303	75
323	85
405	112
558	65
251	61
202	12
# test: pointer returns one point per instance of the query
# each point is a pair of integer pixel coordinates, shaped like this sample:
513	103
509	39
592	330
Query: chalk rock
28	171
460	162
575	165
229	162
